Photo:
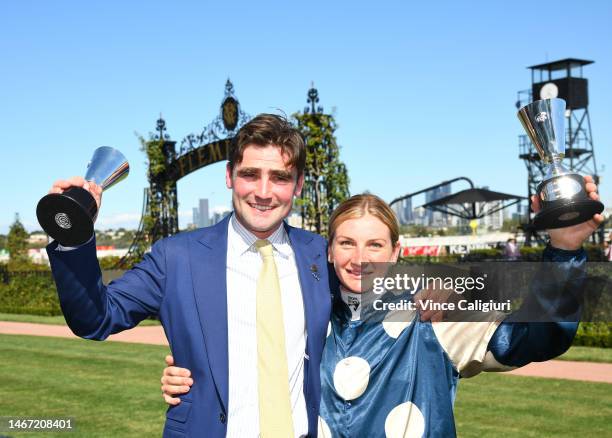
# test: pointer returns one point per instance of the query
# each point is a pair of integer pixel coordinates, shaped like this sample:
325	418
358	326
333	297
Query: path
557	369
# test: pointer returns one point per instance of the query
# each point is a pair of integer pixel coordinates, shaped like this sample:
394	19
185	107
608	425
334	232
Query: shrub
594	334
30	292
109	262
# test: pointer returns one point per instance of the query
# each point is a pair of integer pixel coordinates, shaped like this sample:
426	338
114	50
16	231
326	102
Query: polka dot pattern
396	321
405	421
351	377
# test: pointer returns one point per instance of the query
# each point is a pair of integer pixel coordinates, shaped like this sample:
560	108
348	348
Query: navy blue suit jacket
183	282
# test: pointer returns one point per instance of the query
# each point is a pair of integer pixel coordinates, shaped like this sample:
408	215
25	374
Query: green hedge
594	334
109	262
29	292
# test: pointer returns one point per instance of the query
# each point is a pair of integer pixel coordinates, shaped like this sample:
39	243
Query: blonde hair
358	206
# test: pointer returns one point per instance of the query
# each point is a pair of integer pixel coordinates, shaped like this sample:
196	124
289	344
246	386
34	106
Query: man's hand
175	381
571	238
62	185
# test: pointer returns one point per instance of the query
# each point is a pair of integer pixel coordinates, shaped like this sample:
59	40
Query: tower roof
561	64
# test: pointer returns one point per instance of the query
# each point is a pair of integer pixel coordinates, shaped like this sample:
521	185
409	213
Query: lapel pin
315	272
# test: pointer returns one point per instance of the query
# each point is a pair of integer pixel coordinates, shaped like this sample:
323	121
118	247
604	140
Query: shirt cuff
63	248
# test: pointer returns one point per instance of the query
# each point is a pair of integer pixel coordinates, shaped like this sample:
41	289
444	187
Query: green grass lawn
494	404
585	354
112	389
588	354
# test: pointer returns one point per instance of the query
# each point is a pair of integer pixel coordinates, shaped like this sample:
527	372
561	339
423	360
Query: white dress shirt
244	264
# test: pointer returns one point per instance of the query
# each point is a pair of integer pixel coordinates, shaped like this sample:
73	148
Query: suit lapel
208	260
310	265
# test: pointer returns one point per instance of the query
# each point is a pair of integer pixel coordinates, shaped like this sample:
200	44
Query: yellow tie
275	420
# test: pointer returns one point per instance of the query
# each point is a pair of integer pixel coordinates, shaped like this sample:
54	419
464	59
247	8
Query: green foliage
31	289
31	292
531	253
416	231
161	199
155	155
594	252
157	165
423	260
325	177
594	334
122	241
109	262
534	253
3	241
485	254
17	244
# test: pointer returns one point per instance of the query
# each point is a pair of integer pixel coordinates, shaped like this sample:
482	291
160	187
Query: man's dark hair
270	129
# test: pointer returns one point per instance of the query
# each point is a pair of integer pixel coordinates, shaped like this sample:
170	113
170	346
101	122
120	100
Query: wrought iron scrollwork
313	99
230	119
160	207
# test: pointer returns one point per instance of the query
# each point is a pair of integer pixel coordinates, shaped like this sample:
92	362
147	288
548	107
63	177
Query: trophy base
68	217
567	214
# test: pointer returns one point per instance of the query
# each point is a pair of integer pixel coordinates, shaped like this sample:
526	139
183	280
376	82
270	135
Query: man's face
263	186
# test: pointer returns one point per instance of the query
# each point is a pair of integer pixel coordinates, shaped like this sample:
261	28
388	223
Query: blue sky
422	91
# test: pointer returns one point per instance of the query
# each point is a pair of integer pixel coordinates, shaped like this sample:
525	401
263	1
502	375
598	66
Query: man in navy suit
201	285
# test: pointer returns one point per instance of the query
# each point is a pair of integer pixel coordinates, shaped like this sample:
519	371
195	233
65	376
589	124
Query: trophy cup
562	193
68	217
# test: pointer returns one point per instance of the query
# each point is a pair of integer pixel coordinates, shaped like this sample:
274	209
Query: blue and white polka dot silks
396	377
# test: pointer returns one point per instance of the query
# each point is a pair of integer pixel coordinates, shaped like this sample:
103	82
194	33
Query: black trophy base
68	217
563	213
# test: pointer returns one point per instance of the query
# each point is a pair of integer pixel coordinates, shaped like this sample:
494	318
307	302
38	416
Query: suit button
222	417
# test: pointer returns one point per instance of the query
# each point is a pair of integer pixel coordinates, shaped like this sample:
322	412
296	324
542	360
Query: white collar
353	301
243	240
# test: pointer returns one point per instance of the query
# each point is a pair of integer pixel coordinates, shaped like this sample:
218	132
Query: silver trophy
69	217
562	193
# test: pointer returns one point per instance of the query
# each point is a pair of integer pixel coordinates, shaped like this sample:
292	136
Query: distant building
403	211
38	239
494	221
196	217
218	216
436	218
203	218
419	216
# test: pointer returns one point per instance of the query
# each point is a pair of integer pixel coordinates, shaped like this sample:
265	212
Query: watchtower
562	79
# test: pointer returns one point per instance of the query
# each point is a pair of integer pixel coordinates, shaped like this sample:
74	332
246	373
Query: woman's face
356	245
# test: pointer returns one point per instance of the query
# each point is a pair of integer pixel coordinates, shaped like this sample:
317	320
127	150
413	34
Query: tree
325	176
17	244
